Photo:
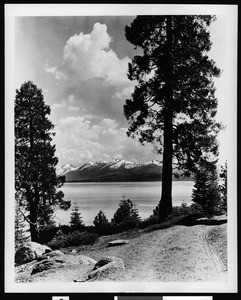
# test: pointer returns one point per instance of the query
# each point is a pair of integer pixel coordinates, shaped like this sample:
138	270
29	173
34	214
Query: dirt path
179	253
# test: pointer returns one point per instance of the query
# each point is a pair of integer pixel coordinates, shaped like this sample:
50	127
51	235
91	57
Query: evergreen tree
76	218
101	222
173	105
35	161
126	214
206	189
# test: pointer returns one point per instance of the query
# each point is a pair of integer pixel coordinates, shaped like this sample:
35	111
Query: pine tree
173	105
35	161
126	214
206	189
76	218
101	220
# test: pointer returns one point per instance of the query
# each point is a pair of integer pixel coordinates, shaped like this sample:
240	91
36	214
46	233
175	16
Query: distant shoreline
106	181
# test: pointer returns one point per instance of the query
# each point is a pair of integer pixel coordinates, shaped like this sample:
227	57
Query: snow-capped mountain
65	169
116	170
153	162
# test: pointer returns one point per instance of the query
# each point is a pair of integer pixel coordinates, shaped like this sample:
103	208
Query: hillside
181	253
114	171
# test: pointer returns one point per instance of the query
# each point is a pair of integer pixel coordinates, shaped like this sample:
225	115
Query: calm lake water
93	197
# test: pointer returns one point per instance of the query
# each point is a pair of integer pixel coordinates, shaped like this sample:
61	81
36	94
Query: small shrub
178	214
75	238
126	216
166	224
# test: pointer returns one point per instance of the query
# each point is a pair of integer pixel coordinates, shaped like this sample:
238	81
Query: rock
42	266
30	251
74	251
117	243
107	265
56	260
41	257
86	260
103	261
54	253
49	263
24	255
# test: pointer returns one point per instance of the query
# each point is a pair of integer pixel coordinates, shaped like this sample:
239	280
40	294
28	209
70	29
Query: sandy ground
180	253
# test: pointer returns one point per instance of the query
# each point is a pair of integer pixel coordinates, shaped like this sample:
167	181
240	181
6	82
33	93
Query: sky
80	63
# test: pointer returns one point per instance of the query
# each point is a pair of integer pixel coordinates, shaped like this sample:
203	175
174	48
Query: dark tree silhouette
76	218
101	222
206	189
173	105
35	174
126	214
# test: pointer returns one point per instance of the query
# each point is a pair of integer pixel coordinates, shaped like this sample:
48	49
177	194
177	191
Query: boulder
56	260
117	243
86	260
103	261
106	266
54	253
29	252
49	263
42	266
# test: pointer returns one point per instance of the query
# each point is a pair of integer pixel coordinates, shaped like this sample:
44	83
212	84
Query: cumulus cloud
125	93
66	104
71	99
73	108
80	140
87	56
62	104
54	70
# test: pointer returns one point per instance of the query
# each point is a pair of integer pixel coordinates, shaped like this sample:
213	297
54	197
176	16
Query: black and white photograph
121	151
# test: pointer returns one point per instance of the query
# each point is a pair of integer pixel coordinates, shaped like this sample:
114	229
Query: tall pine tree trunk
165	205
33	220
34	201
34	216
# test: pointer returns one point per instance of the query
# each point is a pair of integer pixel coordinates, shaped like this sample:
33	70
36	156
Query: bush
178	213
47	234
75	238
126	216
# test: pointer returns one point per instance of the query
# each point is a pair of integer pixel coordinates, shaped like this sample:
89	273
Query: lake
95	196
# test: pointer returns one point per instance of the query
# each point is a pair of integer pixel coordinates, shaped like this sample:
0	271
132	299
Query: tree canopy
173	104
36	182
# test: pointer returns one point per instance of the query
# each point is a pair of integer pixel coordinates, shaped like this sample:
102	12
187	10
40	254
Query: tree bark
165	205
33	221
34	215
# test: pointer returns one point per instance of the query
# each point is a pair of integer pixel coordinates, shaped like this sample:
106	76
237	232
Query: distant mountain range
114	171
